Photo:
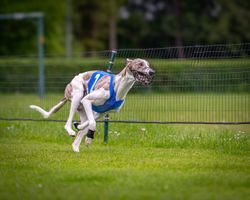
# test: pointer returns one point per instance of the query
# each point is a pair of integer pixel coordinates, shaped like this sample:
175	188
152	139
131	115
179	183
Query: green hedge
187	75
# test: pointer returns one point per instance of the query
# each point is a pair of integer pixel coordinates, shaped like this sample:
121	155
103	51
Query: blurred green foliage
138	24
19	37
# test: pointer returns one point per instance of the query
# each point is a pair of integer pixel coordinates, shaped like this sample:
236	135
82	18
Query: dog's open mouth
142	78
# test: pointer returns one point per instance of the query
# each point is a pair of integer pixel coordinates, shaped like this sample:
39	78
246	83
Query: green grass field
171	107
140	161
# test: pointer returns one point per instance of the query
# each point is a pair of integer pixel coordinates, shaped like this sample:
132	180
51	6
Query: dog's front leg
84	126
99	95
87	104
91	121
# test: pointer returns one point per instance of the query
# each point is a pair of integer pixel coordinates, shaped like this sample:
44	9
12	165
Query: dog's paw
75	148
70	131
88	141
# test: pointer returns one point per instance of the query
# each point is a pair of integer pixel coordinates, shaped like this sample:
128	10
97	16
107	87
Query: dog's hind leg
82	133
75	102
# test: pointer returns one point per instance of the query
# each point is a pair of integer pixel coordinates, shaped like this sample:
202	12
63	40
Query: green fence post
106	118
38	16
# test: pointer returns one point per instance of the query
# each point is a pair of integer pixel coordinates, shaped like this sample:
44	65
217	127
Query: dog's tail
54	109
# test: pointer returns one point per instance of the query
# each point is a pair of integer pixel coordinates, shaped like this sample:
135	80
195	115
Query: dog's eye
140	64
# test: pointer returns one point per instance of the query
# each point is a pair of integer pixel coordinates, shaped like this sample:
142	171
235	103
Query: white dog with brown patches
94	93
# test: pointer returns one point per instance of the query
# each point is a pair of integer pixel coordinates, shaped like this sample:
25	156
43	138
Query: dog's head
140	70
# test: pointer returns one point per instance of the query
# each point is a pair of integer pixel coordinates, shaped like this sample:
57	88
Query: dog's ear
128	61
128	66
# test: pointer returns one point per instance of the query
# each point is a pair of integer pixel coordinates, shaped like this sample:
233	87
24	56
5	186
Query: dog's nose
151	72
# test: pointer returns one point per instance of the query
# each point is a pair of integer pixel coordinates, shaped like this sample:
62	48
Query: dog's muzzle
143	78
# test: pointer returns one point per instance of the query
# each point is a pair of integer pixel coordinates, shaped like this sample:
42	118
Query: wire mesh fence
193	84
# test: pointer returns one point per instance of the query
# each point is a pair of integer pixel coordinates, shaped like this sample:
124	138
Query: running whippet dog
94	93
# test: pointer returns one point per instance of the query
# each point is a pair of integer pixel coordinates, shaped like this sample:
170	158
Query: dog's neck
124	81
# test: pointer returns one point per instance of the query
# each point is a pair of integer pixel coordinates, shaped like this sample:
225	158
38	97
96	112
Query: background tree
19	37
99	25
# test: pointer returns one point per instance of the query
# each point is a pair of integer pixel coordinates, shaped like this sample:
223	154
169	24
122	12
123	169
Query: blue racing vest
111	103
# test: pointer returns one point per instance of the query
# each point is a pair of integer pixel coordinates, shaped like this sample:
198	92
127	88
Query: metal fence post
38	16
106	118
